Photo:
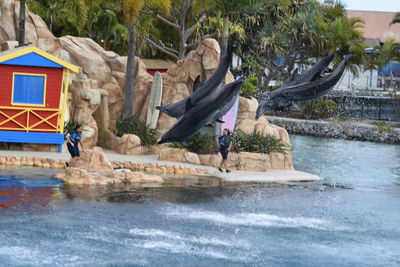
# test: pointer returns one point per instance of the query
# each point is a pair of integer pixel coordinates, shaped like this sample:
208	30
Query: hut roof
33	56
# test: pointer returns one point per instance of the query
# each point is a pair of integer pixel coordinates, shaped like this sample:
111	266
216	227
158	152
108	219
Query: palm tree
396	18
229	9
60	14
132	10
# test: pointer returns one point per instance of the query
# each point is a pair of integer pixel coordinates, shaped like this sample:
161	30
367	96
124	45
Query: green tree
132	10
62	16
186	21
228	10
396	18
281	33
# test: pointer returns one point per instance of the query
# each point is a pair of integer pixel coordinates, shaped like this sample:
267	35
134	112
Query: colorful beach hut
33	96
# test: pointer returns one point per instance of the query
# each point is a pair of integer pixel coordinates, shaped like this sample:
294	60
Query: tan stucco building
376	31
377	24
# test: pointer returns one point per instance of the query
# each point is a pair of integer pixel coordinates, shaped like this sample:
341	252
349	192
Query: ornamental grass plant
258	143
133	125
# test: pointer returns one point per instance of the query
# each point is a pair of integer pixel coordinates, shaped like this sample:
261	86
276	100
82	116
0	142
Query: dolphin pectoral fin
189	105
220	121
197	84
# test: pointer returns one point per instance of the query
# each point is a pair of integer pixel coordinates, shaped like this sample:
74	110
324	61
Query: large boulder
247	108
262	126
92	159
179	155
127	143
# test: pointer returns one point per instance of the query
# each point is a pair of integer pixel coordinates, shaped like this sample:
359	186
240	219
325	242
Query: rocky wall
340	130
236	161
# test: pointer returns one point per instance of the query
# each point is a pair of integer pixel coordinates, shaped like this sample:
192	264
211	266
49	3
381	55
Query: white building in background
366	80
376	31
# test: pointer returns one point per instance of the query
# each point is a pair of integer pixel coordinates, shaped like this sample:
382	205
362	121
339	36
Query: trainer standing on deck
73	140
224	142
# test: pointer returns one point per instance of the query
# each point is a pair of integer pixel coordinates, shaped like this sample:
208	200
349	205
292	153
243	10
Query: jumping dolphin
312	74
200	114
212	86
230	101
284	96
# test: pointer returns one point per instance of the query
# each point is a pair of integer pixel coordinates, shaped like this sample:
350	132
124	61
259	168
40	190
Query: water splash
251	219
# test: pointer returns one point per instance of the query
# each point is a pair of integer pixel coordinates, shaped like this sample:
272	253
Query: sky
373	5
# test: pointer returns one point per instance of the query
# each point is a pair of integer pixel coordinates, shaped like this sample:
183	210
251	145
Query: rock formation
96	92
93	167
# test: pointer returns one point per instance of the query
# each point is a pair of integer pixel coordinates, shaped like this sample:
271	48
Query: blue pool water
351	218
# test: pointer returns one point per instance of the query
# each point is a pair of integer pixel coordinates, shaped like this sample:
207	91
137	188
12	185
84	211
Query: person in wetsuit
224	142
73	140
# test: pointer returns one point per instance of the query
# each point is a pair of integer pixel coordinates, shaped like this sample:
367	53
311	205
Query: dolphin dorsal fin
189	105
197	84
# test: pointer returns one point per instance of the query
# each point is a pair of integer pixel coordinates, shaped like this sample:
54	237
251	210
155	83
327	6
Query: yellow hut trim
8	54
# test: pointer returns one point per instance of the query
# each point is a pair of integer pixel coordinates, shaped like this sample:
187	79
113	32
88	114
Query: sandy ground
274	176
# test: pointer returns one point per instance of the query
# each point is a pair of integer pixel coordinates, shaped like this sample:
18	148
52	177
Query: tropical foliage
249	87
202	143
199	143
382	126
132	125
258	143
319	108
280	33
70	125
273	35
396	18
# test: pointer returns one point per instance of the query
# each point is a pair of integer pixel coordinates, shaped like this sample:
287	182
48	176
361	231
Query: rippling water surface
351	218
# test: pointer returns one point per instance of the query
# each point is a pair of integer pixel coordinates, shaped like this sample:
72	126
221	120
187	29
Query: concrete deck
274	176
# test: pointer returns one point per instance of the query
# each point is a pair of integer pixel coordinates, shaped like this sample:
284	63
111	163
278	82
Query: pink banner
230	117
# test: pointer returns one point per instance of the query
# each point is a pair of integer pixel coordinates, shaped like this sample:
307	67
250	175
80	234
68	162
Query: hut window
29	89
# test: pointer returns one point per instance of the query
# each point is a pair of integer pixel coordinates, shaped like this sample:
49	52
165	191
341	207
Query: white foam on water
154	233
182	247
20	253
251	219
202	240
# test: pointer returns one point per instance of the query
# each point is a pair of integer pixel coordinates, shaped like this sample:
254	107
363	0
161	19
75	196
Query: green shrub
199	143
258	143
175	145
320	109
249	87
202	144
133	125
205	144
382	126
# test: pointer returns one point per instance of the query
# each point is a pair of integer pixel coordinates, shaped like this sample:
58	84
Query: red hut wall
153	71
52	99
